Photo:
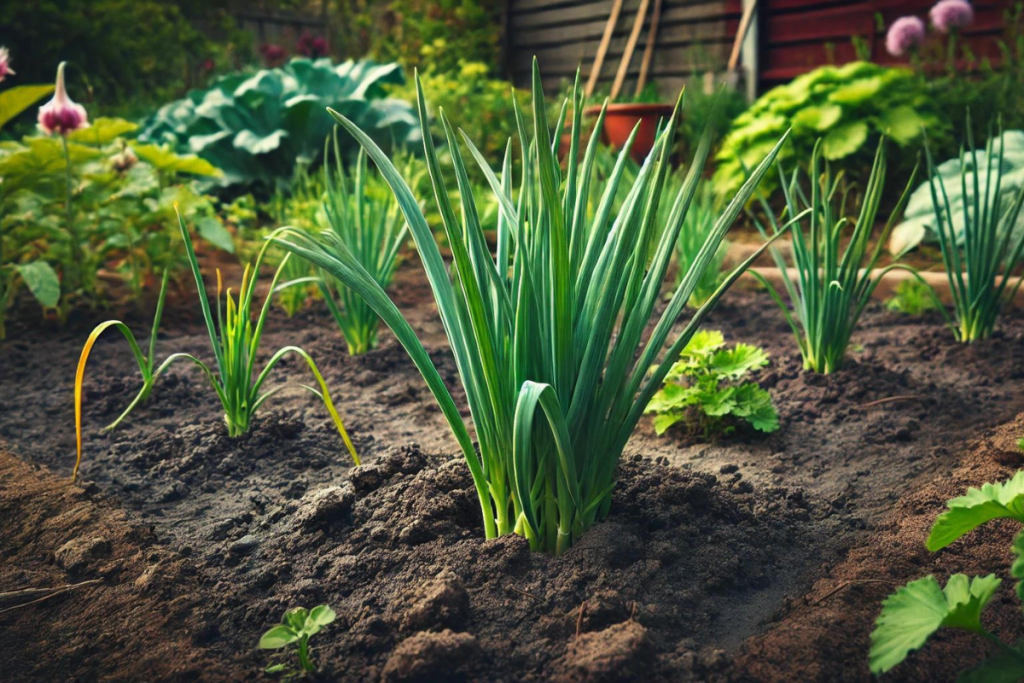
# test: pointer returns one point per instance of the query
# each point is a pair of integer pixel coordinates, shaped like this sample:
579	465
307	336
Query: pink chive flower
948	15
905	34
61	115
5	64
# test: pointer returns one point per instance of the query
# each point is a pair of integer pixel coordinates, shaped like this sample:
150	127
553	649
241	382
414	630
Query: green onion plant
979	276
551	333
364	216
833	283
235	339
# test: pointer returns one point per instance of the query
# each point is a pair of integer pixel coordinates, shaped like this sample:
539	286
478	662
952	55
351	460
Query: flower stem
76	246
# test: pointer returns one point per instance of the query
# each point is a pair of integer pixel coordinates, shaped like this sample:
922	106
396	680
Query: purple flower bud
905	34
61	115
5	64
947	15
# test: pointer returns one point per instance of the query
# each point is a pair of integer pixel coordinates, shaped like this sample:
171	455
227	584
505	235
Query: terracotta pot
620	120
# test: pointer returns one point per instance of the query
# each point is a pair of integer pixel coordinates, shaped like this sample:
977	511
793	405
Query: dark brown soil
823	635
713	553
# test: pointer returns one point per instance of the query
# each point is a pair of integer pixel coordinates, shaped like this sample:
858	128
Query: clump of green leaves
848	107
235	339
708	389
992	246
468	88
832	256
256	127
120	236
915	612
296	628
551	334
912	297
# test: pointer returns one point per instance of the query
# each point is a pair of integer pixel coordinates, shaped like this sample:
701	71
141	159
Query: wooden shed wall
694	36
794	36
799	35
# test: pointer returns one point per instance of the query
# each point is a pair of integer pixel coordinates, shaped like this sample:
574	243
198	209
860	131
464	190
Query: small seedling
833	258
704	388
235	340
912	297
298	626
912	614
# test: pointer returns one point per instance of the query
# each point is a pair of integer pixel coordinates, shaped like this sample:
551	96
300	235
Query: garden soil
753	558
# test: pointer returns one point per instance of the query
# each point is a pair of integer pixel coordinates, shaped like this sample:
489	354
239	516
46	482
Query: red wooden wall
799	35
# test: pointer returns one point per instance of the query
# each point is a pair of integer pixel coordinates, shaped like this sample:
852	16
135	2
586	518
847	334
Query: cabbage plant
256	127
919	217
551	333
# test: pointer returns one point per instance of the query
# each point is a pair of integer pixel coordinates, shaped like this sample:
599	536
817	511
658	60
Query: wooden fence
279	28
693	37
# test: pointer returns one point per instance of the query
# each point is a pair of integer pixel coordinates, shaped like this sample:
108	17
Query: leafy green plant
833	284
848	108
256	127
14	101
919	218
992	247
296	628
364	217
127	51
435	33
912	297
469	88
915	612
124	195
235	340
706	389
554	325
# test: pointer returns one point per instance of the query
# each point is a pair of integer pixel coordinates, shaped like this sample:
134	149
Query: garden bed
717	560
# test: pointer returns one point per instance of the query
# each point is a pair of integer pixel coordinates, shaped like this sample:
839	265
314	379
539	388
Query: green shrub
847	107
918	610
123	202
438	34
468	88
256	127
707	389
126	51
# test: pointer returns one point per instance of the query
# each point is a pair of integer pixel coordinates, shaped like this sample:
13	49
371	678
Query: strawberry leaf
966	513
914	612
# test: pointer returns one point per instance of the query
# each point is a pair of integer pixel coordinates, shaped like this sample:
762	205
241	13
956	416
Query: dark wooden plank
711	28
593	15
